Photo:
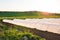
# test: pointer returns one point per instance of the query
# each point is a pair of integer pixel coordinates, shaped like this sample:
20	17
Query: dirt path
47	35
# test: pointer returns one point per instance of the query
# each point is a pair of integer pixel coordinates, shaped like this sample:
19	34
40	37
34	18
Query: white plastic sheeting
51	25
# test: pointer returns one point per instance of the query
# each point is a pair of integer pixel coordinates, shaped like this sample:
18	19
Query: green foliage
28	14
17	14
13	34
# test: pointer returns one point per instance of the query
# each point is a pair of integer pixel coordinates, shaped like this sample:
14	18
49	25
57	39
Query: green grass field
11	15
17	14
29	14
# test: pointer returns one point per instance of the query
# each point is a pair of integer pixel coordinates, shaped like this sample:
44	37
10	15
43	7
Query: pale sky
30	5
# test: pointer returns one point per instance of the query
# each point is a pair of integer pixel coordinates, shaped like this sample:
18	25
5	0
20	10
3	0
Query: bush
13	34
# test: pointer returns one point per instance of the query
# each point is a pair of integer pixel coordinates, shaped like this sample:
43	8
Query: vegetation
18	14
14	32
27	14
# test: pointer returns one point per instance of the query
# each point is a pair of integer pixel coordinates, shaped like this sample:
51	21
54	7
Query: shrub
13	34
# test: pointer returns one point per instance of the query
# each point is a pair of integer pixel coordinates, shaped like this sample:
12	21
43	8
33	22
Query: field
18	14
29	14
14	32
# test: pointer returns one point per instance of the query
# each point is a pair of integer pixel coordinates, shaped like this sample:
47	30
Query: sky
52	6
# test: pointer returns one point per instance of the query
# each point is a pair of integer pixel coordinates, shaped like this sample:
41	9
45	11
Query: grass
17	14
23	15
